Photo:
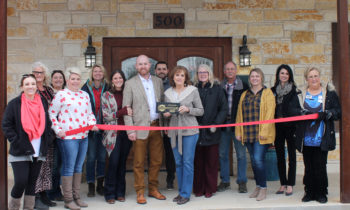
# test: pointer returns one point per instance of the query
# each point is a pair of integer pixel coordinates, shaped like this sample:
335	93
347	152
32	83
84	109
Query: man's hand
95	128
239	138
132	136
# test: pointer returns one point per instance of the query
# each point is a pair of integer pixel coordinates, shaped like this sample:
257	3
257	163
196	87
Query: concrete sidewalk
229	199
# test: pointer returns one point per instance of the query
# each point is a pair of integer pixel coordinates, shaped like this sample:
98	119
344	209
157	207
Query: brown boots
67	184
14	203
76	190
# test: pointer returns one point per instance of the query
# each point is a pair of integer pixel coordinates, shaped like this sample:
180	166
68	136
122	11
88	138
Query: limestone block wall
295	32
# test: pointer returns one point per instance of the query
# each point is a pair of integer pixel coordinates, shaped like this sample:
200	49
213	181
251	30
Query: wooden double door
121	53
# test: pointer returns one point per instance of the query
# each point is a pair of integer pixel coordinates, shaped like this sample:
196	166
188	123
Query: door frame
224	42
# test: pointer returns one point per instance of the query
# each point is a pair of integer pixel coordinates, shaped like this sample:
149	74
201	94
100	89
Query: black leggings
25	174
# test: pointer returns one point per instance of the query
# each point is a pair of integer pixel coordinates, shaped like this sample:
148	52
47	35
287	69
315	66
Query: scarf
282	91
32	116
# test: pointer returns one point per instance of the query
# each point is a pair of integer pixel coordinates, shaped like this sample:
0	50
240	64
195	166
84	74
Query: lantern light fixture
244	54
90	54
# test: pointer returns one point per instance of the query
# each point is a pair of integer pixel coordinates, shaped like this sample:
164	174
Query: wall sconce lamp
244	54
90	54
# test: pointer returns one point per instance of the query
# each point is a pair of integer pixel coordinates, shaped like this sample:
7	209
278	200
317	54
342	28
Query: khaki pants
154	145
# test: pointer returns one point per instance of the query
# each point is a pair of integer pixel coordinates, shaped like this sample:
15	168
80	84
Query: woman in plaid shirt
256	104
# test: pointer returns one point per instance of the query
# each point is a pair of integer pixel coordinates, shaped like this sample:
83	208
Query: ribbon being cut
125	127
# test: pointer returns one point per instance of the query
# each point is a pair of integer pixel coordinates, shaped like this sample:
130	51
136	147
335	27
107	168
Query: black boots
100	188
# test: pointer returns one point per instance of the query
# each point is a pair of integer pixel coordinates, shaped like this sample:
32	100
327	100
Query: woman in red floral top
117	143
71	109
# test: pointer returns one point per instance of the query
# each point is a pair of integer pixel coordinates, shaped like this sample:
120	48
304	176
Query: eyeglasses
203	72
37	72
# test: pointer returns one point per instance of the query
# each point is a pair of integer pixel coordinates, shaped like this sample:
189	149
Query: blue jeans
73	153
257	154
96	153
185	164
224	149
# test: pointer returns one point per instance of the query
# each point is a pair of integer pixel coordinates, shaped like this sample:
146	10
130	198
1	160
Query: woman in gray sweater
183	141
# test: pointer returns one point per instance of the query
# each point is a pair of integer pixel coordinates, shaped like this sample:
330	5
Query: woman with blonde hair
95	86
257	104
44	181
70	110
207	151
315	138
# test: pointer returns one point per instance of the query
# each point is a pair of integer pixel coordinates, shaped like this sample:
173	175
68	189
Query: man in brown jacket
141	93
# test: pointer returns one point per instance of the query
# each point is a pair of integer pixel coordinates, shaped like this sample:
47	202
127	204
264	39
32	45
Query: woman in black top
287	105
27	127
207	151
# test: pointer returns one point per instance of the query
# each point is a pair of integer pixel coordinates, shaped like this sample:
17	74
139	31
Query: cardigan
191	99
18	138
73	110
267	112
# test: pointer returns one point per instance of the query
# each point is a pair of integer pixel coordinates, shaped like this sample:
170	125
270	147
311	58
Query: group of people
45	160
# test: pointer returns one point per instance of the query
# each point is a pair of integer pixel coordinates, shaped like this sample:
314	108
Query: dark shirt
118	95
251	112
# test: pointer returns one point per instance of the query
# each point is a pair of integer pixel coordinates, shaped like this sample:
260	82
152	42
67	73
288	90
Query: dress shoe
322	199
156	194
111	201
307	197
177	198
183	200
46	200
281	190
289	191
208	195
141	199
121	199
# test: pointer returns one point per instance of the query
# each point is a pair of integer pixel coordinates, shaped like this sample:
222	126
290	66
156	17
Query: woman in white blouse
71	109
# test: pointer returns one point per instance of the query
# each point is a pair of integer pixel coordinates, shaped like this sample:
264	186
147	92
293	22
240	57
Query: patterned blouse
251	112
73	110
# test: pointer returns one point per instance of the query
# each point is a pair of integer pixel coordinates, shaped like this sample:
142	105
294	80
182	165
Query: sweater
73	110
267	112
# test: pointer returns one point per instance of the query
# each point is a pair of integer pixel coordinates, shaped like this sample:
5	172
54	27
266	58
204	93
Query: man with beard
161	70
141	93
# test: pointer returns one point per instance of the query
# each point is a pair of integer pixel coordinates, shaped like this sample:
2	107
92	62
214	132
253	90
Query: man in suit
141	93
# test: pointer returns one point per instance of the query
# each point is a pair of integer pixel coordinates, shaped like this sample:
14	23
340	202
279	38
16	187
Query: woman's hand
129	110
95	128
61	134
262	138
167	114
132	136
183	109
239	138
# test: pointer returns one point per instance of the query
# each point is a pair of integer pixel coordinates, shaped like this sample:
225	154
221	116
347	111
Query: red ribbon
127	127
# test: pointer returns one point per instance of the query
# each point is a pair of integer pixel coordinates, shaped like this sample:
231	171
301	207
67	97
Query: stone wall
295	32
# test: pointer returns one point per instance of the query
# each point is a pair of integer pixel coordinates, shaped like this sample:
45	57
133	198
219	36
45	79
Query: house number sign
168	20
